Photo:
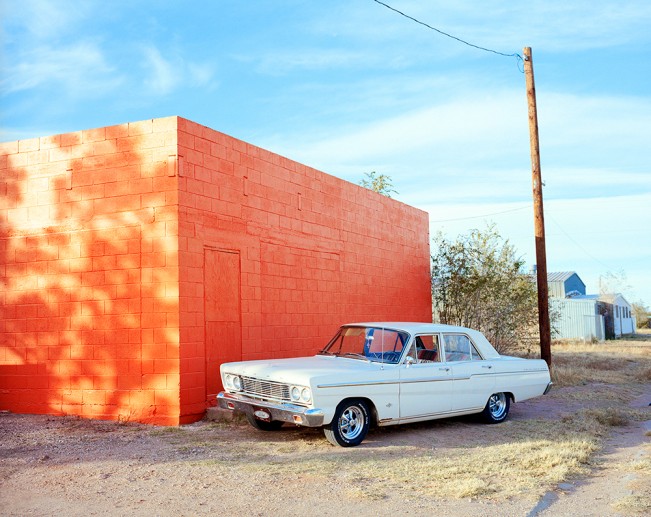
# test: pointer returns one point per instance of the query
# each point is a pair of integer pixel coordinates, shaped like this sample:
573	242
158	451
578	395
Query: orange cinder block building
135	259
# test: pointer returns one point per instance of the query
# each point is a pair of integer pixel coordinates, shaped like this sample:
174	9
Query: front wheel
497	408
264	425
349	425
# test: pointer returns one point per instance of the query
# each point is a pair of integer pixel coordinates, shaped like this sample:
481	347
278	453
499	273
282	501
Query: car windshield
368	343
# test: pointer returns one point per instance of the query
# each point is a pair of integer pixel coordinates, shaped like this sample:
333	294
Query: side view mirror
409	360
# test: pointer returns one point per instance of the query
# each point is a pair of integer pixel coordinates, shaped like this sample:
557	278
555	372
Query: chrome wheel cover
497	405
351	422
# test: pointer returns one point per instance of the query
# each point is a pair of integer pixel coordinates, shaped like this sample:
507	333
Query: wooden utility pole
538	213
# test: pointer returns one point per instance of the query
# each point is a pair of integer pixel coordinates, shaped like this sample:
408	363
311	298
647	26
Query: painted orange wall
108	308
314	252
88	243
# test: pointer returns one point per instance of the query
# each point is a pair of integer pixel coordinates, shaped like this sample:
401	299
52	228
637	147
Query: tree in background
381	184
614	283
479	282
642	314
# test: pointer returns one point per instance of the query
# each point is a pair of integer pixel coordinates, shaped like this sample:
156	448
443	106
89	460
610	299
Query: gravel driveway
70	466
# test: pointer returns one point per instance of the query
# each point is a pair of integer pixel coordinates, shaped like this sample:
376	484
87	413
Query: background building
566	284
587	317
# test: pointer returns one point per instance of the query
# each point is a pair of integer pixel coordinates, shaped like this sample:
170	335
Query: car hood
306	370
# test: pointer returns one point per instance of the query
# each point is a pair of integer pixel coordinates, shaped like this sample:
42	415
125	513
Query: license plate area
262	414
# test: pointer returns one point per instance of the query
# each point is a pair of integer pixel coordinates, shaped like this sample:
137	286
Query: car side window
427	348
475	355
458	347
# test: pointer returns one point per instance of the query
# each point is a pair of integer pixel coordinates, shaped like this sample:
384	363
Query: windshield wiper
324	352
360	356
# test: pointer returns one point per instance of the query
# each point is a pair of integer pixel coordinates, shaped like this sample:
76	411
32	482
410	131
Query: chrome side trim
426	379
423	379
520	372
459	378
280	412
359	383
401	381
384	383
442	414
430	416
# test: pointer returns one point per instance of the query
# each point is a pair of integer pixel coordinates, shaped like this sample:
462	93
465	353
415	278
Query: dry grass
635	504
643	464
639	501
517	458
522	458
613	362
454	458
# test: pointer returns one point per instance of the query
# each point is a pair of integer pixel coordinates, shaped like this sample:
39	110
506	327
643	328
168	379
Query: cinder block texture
137	258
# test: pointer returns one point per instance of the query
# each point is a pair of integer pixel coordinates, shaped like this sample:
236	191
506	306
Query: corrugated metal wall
577	319
556	289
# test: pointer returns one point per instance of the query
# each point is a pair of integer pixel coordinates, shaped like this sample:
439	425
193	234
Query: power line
515	54
577	244
481	216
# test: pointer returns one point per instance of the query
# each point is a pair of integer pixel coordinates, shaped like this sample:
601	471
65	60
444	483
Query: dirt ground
73	467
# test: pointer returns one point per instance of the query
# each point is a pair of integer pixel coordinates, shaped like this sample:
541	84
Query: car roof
413	327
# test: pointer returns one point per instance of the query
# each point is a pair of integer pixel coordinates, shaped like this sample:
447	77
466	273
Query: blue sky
351	87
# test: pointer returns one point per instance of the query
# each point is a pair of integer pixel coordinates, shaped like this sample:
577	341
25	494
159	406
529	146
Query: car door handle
444	369
489	366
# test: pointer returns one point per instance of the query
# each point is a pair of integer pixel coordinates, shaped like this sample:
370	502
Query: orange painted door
222	315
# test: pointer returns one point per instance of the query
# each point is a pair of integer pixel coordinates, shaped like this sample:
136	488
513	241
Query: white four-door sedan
384	374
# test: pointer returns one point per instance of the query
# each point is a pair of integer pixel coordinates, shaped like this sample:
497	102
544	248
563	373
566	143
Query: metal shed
565	284
577	319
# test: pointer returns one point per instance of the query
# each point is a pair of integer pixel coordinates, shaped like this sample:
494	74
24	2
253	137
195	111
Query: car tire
497	408
263	425
349	425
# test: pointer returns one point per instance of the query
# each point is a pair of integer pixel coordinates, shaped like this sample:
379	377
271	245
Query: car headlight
237	382
233	382
300	394
296	393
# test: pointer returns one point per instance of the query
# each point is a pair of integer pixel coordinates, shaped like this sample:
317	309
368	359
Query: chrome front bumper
290	413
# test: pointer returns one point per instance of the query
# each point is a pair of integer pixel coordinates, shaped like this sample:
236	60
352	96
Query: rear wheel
349	425
264	425
497	408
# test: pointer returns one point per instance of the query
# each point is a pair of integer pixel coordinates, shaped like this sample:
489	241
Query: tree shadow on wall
90	316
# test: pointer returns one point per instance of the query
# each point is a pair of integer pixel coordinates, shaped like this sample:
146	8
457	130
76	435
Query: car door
473	376
425	382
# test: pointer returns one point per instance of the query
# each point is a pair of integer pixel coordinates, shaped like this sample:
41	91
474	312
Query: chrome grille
265	389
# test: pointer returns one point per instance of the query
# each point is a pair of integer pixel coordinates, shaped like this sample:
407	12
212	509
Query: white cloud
612	217
80	69
46	19
282	61
587	143
166	74
502	25
162	78
471	126
573	180
568	119
202	74
585	24
552	25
